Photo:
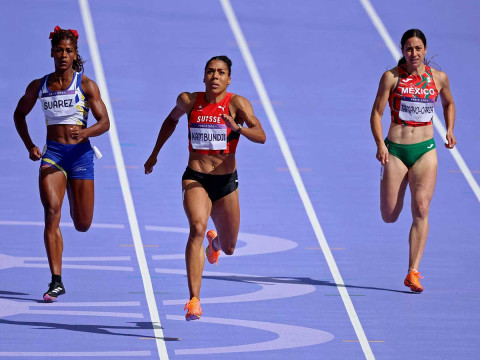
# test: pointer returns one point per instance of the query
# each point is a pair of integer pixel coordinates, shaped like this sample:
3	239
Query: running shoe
413	281
54	289
194	310
212	255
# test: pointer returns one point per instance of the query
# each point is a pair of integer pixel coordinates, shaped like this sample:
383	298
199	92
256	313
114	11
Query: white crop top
65	107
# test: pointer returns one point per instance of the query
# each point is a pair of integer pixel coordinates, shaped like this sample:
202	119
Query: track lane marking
377	22
122	175
275	124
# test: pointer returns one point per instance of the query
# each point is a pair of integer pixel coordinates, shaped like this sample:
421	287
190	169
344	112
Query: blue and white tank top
65	107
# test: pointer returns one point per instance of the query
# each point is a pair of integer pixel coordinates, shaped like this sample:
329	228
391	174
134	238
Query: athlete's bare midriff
409	134
215	164
61	134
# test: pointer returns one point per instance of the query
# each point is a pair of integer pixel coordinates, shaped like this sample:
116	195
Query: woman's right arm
386	84
25	105
184	104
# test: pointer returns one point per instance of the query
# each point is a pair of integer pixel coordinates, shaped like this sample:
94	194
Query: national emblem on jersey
412	102
207	132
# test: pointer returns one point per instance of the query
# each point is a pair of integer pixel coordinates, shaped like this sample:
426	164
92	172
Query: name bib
415	109
59	103
208	136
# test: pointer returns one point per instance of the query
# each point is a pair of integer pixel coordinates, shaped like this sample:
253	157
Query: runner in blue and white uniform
67	96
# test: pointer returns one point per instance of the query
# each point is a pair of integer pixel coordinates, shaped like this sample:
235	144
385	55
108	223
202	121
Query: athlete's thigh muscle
226	217
196	202
393	184
52	184
81	195
422	177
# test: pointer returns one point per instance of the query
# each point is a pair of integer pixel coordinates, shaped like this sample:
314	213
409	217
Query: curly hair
62	34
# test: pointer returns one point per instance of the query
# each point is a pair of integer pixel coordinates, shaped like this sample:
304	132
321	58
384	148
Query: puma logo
221	107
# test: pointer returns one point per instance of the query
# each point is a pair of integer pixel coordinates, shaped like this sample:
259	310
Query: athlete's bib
208	136
64	107
416	109
413	99
58	103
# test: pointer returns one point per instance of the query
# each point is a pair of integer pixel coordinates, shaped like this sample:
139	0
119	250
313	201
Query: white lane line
62	224
86	313
122	175
272	117
87	304
112	354
377	22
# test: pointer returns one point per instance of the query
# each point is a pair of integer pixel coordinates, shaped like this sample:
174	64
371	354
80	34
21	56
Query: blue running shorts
74	160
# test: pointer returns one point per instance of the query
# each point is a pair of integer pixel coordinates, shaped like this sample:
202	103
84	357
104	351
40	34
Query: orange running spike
212	255
194	310
413	281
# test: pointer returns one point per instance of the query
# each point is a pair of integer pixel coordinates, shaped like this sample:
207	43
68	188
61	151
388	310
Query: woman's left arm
448	106
243	112
99	112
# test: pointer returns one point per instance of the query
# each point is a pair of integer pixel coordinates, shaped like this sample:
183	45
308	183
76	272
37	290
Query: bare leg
422	177
81	196
226	217
197	207
52	184
392	189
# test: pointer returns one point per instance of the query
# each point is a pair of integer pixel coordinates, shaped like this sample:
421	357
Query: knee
82	227
389	216
228	245
197	231
228	250
421	208
52	214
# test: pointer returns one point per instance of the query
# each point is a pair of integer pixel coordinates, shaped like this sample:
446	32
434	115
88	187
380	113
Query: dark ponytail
407	35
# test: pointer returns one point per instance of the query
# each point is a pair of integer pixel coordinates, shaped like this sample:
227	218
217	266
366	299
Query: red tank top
413	100
207	132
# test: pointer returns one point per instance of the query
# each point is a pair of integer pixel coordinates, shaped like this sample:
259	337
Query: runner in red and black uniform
408	154
210	183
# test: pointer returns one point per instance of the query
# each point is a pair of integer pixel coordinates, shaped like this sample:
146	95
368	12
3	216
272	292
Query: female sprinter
408	154
66	97
215	119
